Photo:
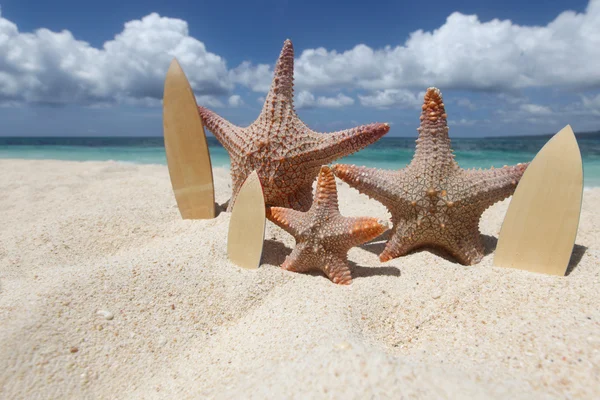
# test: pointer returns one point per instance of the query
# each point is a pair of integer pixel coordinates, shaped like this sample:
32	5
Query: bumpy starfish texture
433	202
323	236
285	153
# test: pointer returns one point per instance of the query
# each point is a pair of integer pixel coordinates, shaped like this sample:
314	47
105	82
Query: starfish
323	236
285	153
433	202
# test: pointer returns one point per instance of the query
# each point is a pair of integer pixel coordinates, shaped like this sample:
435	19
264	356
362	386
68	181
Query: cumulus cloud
340	100
305	99
464	53
258	78
55	68
536	109
235	101
209	101
391	98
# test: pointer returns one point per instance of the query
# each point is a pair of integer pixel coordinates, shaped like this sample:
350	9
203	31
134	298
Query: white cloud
391	98
464	53
536	109
338	101
235	101
209	101
305	99
55	68
256	78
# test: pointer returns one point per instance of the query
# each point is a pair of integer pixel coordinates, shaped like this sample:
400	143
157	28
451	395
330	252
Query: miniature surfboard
539	230
188	158
247	225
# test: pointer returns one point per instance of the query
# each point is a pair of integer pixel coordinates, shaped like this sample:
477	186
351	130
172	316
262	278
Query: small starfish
285	153
323	236
433	202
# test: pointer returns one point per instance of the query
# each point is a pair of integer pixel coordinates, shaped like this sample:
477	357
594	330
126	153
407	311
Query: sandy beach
105	292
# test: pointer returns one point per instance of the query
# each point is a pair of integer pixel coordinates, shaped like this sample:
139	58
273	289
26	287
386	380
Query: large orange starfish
433	202
323	236
285	153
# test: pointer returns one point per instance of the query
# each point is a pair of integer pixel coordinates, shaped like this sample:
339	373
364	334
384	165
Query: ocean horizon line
583	134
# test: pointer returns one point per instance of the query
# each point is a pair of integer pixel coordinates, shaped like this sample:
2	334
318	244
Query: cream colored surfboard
188	158
539	230
247	225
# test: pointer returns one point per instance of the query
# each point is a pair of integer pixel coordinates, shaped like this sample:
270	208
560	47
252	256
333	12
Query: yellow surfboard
247	225
186	147
539	230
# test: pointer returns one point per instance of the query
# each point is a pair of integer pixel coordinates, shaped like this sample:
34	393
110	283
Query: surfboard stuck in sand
247	225
186	147
540	226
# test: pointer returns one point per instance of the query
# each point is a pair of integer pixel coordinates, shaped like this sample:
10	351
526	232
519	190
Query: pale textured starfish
433	202
323	236
285	153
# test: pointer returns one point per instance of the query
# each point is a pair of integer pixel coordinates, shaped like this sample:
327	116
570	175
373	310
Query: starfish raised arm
284	152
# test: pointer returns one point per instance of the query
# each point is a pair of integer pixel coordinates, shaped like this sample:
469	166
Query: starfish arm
296	261
335	266
379	184
279	99
229	135
286	218
352	232
333	146
494	185
404	238
465	244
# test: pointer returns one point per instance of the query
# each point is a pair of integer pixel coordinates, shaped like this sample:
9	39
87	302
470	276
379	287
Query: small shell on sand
105	314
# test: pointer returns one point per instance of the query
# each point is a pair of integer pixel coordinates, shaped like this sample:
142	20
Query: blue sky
97	68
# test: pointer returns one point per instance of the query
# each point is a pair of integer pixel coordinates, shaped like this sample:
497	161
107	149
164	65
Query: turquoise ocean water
389	153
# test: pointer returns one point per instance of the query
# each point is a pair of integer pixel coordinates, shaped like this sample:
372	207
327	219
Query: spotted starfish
323	236
285	153
433	202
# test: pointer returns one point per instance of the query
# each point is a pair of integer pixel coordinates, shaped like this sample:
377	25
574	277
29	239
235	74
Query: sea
388	152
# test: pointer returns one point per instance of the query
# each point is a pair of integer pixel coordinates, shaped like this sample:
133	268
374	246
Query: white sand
76	238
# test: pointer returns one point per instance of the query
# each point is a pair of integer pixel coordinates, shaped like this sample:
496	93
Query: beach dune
105	292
